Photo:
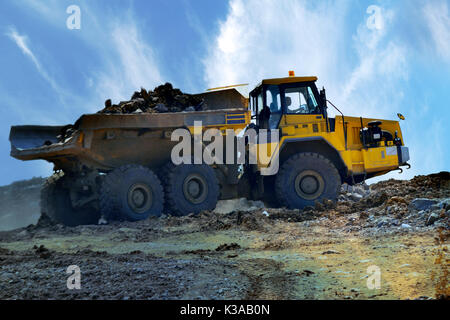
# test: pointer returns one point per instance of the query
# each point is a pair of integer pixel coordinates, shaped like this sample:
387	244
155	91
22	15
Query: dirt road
319	253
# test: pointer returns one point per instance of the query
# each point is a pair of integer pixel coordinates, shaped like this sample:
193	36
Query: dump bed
105	141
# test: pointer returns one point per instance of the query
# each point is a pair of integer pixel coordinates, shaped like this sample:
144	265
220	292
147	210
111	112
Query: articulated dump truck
119	166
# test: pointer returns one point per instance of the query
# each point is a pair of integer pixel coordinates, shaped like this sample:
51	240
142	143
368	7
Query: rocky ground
243	250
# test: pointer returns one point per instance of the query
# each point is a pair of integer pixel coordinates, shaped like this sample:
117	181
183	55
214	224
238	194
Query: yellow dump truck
120	165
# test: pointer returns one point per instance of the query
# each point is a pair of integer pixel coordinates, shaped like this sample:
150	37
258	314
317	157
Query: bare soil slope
400	227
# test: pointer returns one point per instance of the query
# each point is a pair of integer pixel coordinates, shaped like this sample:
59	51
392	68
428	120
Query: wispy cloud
127	59
22	42
46	8
371	87
131	65
438	19
195	23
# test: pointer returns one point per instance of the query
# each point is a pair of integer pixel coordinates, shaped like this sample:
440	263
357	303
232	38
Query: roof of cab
278	81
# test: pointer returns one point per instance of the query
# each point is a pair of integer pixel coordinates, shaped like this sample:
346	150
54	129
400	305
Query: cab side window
273	101
300	100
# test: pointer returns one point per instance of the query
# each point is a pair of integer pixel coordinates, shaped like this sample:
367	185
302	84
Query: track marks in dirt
268	280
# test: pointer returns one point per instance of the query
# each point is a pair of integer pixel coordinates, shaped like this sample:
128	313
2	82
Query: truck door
267	100
301	108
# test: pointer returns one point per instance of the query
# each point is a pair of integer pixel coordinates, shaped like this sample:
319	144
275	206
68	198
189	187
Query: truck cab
274	101
351	149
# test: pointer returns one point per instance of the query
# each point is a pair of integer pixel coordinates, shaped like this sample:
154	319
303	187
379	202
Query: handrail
343	123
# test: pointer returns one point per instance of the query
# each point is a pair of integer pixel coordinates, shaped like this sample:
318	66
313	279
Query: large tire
56	204
190	188
131	193
306	178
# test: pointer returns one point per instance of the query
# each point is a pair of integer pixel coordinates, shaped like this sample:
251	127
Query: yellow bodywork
345	138
357	159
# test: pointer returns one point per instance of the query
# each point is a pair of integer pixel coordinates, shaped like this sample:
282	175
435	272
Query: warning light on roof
291	73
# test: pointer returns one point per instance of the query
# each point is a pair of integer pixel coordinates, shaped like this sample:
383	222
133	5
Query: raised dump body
107	141
119	165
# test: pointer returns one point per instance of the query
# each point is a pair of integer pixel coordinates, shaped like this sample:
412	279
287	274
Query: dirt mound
423	201
163	98
431	186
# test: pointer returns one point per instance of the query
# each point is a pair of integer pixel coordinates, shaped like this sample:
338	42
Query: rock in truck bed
163	98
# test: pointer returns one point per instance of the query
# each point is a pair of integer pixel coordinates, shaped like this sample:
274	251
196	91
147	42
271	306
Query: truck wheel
190	188
131	193
56	204
305	178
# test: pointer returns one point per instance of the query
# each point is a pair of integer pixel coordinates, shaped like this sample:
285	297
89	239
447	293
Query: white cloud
437	17
261	39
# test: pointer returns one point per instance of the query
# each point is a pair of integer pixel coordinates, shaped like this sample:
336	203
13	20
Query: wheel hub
140	198
309	185
195	188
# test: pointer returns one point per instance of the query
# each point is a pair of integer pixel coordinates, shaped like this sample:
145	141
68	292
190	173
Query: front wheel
306	178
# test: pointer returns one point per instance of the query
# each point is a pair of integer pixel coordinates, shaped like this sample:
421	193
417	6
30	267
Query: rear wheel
56	204
306	178
190	188
131	193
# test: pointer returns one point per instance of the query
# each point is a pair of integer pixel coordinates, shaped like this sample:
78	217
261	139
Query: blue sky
376	58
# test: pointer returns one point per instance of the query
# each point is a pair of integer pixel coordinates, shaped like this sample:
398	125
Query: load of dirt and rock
163	98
